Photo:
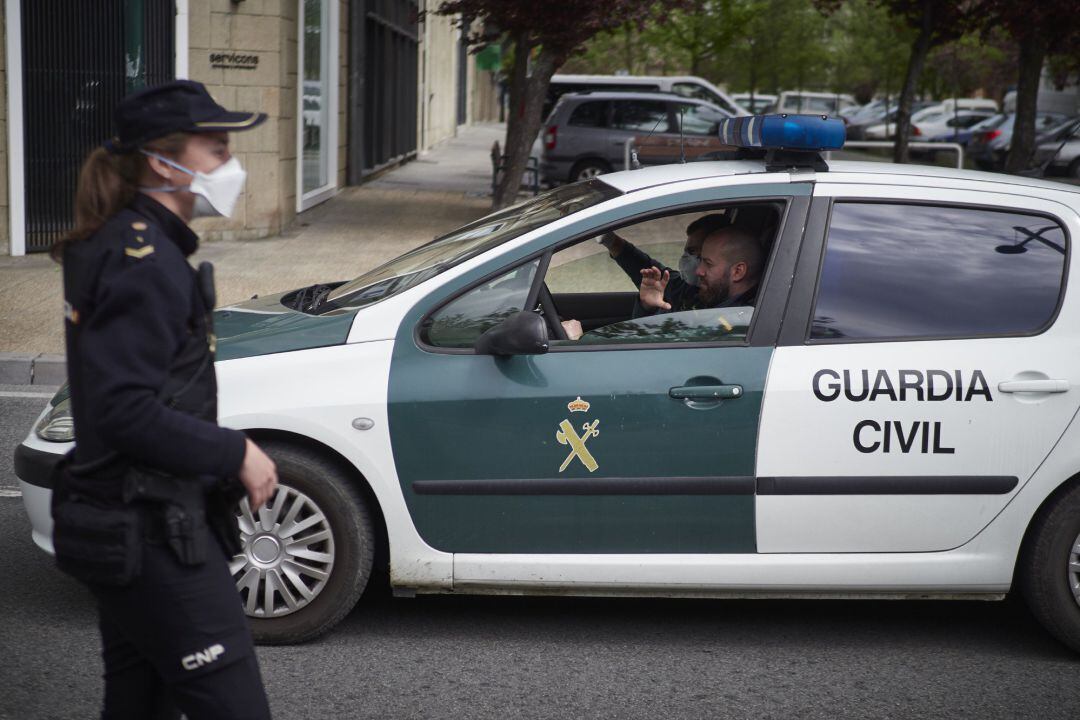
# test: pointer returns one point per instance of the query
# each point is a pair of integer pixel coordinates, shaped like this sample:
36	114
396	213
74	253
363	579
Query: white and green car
893	417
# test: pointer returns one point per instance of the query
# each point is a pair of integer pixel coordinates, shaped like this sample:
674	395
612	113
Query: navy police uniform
149	464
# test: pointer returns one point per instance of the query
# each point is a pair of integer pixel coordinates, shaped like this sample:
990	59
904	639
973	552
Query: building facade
351	87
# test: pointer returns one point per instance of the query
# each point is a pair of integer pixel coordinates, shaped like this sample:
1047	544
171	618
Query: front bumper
34	468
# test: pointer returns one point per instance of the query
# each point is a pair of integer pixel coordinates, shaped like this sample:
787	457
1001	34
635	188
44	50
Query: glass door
317	127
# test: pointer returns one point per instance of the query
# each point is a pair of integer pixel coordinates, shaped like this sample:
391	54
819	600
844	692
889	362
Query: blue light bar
784	132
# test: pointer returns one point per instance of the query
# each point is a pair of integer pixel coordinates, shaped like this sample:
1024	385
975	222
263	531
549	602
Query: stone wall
266	29
438	81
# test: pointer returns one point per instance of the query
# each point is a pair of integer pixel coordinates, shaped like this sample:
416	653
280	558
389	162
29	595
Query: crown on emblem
578	405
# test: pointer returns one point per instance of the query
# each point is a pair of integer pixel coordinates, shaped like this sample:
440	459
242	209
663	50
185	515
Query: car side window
640	116
896	271
600	291
459	323
589	114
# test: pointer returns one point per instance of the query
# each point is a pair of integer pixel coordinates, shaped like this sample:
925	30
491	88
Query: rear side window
589	114
640	116
895	271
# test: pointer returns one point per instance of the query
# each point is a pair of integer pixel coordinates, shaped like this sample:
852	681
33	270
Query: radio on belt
784	141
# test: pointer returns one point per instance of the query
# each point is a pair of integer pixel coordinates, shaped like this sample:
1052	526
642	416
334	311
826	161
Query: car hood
263	325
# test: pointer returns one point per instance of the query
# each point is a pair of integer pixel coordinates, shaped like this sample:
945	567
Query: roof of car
632	180
632	95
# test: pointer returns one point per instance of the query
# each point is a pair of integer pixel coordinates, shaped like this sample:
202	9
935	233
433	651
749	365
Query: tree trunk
527	93
919	51
1032	55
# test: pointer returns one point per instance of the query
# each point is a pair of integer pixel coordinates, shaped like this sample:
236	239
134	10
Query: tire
336	562
1050	573
586	169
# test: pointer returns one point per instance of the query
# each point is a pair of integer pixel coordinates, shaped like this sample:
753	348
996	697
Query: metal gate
383	84
79	59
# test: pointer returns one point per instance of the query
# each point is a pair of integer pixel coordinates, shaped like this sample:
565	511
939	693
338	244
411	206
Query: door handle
1034	386
706	392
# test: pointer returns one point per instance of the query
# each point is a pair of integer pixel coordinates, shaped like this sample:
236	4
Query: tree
1040	28
935	22
544	36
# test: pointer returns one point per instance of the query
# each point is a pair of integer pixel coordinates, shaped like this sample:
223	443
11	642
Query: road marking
8	492
17	394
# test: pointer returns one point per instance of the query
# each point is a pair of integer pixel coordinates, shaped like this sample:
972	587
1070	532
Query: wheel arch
1065	487
381	560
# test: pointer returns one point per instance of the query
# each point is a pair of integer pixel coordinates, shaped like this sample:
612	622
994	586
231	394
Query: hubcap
287	556
1074	569
589	172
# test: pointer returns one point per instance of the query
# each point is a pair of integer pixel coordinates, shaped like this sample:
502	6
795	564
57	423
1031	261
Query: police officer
143	512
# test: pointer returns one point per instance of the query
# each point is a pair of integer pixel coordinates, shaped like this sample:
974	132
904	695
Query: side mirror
523	333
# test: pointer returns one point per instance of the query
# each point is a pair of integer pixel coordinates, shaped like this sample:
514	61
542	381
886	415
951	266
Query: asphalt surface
509	657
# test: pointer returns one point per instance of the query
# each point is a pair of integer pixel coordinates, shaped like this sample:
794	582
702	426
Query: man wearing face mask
143	511
681	291
727	274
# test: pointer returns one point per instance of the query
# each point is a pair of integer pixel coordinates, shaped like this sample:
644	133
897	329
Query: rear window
895	271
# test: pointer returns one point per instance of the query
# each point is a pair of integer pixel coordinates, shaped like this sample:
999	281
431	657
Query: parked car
989	148
689	86
856	430
887	130
1060	151
755	103
805	102
586	133
963	136
859	124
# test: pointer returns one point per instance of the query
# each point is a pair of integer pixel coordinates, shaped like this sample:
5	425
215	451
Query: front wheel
1050	573
307	553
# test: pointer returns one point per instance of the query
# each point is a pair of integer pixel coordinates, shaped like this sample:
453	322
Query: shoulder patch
139	225
139	253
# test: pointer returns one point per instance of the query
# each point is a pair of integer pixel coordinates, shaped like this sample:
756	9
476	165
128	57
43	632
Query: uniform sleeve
633	260
128	345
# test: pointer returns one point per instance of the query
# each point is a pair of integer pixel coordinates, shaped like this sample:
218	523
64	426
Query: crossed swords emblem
566	435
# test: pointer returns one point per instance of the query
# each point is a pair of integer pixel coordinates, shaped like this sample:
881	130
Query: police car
893	416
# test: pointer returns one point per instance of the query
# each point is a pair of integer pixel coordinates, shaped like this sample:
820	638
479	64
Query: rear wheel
1050	574
587	169
307	553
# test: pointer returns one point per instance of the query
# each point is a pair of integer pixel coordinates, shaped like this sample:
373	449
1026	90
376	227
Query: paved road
436	657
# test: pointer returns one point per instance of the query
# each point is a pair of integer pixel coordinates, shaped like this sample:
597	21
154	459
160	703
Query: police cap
178	106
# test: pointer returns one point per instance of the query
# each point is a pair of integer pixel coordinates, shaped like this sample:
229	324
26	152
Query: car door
925	369
634	442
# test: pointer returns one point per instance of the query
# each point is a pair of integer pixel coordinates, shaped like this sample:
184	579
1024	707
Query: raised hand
653	284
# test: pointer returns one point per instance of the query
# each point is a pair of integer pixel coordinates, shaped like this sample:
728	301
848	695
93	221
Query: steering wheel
547	306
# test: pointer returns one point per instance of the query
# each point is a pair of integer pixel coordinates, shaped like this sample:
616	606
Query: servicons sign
899	436
567	435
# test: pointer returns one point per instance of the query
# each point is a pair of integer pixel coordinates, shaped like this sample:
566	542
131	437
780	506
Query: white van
795	102
685	85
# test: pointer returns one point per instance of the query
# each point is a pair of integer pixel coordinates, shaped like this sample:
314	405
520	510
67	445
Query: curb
32	369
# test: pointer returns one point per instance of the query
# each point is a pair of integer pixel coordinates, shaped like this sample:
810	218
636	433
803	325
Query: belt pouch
176	509
95	543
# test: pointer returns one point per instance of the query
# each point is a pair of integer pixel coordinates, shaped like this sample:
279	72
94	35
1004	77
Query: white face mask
688	268
216	192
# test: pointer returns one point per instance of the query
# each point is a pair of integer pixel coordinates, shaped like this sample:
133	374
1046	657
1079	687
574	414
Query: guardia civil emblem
567	435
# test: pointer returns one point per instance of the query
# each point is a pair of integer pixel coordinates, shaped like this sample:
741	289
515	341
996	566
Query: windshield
427	261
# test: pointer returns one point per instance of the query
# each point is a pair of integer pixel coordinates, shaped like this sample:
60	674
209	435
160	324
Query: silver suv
586	133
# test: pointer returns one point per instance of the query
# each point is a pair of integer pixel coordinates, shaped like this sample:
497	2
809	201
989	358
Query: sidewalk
340	239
